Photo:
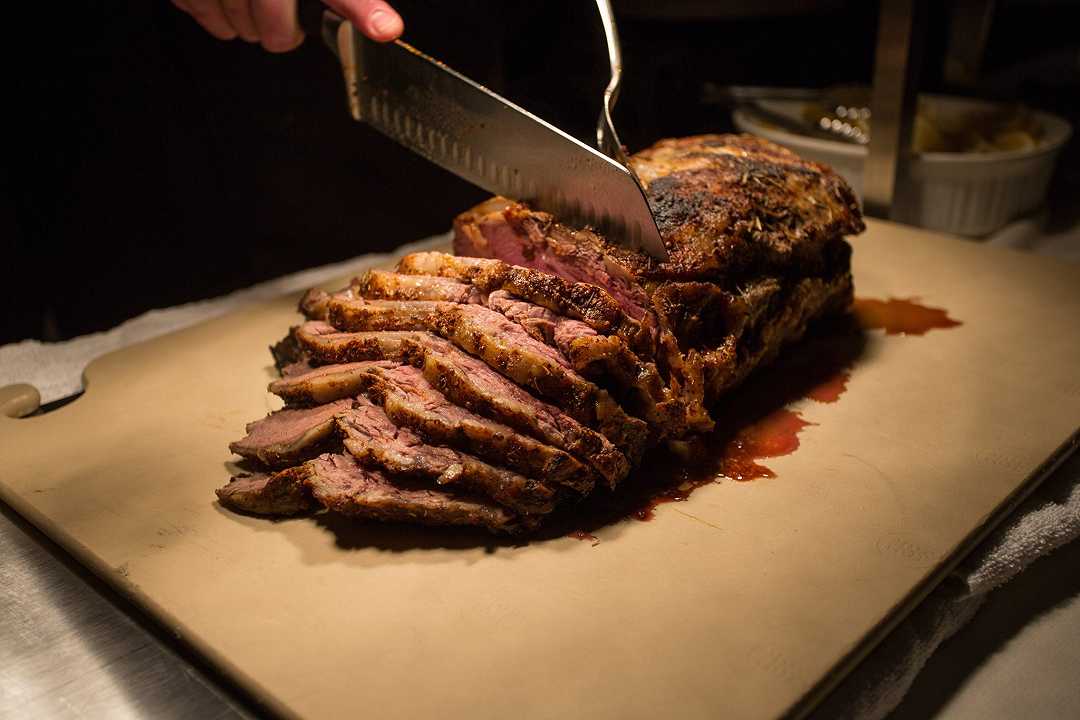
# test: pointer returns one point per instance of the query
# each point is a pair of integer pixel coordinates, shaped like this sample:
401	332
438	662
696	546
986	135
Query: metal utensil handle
607	139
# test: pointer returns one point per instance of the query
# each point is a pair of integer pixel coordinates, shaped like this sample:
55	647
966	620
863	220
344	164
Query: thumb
374	18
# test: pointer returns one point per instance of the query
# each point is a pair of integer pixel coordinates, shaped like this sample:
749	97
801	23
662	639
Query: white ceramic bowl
964	193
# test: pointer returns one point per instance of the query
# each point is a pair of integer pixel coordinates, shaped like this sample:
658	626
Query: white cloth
56	369
1047	520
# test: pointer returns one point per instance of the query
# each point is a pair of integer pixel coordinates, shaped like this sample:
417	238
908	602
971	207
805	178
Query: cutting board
750	599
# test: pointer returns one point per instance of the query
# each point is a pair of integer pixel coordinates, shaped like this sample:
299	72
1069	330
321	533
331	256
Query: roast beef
464	379
468	381
379	284
323	344
289	436
606	359
373	439
324	384
491	386
506	347
589	303
410	401
274	494
339	483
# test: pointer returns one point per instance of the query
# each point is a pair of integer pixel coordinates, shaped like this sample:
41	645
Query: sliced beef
289	436
323	344
297	368
373	439
507	347
379	284
538	321
325	384
286	352
314	302
605	359
482	388
343	485
276	494
511	232
375	315
410	401
469	382
589	303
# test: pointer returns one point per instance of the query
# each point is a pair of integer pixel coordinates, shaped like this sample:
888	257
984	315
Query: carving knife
484	138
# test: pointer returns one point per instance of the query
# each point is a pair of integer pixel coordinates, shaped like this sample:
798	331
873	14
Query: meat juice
900	316
760	424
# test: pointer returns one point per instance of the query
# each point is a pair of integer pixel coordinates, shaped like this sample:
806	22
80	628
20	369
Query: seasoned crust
730	205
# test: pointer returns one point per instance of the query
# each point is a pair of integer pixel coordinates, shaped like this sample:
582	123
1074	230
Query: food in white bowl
977	166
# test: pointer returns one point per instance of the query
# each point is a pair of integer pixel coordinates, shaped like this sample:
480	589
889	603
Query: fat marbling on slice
507	347
289	436
323	344
583	301
410	401
595	356
383	285
275	494
469	382
373	439
341	484
326	383
599	357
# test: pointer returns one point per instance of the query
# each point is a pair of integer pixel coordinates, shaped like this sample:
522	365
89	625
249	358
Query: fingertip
223	34
384	25
282	45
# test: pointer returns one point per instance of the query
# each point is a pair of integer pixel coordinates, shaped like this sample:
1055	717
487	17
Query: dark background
149	164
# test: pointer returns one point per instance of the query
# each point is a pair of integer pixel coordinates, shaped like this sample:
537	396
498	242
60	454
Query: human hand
273	23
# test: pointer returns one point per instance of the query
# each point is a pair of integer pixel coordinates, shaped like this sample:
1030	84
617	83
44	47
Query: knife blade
487	140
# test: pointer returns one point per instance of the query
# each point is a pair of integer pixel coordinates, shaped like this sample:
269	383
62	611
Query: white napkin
1047	520
56	369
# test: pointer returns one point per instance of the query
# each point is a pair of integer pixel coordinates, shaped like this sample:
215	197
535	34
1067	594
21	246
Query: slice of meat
314	302
371	437
410	401
603	358
582	301
469	382
276	494
511	232
296	368
374	315
507	347
324	344
325	384
287	437
379	284
342	485
537	320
